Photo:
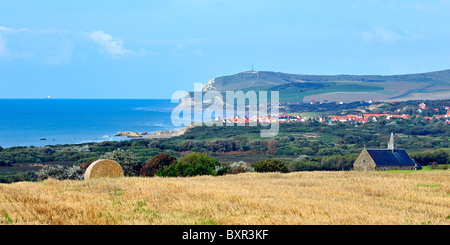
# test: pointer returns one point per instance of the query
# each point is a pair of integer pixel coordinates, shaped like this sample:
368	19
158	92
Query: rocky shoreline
156	134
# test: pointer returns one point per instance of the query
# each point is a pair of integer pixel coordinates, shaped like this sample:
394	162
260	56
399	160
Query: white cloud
53	46
382	35
21	40
182	50
172	42
11	30
7	54
113	46
3	50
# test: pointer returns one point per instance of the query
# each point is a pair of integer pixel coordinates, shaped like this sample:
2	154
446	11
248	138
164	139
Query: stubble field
301	198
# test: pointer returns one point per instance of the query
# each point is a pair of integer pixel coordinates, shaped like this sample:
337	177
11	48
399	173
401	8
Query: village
351	118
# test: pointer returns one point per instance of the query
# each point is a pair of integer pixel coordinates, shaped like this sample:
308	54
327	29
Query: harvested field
300	198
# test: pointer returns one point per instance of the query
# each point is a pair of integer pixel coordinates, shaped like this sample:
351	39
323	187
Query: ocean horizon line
83	99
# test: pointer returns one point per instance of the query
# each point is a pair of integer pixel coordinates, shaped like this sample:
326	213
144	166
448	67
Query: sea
40	122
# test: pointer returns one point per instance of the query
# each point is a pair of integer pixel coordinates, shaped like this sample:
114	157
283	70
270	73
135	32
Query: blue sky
150	49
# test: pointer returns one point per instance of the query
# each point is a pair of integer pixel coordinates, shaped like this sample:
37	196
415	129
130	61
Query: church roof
386	157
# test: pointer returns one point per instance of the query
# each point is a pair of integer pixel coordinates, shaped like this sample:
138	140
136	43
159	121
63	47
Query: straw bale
103	169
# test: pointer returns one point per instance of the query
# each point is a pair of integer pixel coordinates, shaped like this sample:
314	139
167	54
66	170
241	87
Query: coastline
156	134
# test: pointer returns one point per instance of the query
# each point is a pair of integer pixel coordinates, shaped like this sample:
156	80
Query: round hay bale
103	169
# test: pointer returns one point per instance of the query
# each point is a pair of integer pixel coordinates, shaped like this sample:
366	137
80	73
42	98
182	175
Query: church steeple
392	146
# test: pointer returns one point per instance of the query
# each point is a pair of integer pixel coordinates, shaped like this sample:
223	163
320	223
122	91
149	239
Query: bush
51	171
188	145
220	145
221	169
190	165
162	160
335	162
440	167
240	167
304	165
270	165
288	150
199	158
430	157
272	146
307	151
5	163
74	173
330	151
130	164
85	165
60	172
234	168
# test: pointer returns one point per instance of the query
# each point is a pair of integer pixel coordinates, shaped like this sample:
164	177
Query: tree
162	160
129	163
5	164
187	145
272	146
329	151
190	165
270	165
335	162
307	151
427	158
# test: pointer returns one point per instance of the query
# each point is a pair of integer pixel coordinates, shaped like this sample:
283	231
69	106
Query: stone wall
364	162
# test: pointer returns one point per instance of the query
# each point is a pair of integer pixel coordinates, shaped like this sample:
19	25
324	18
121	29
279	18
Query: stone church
385	159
